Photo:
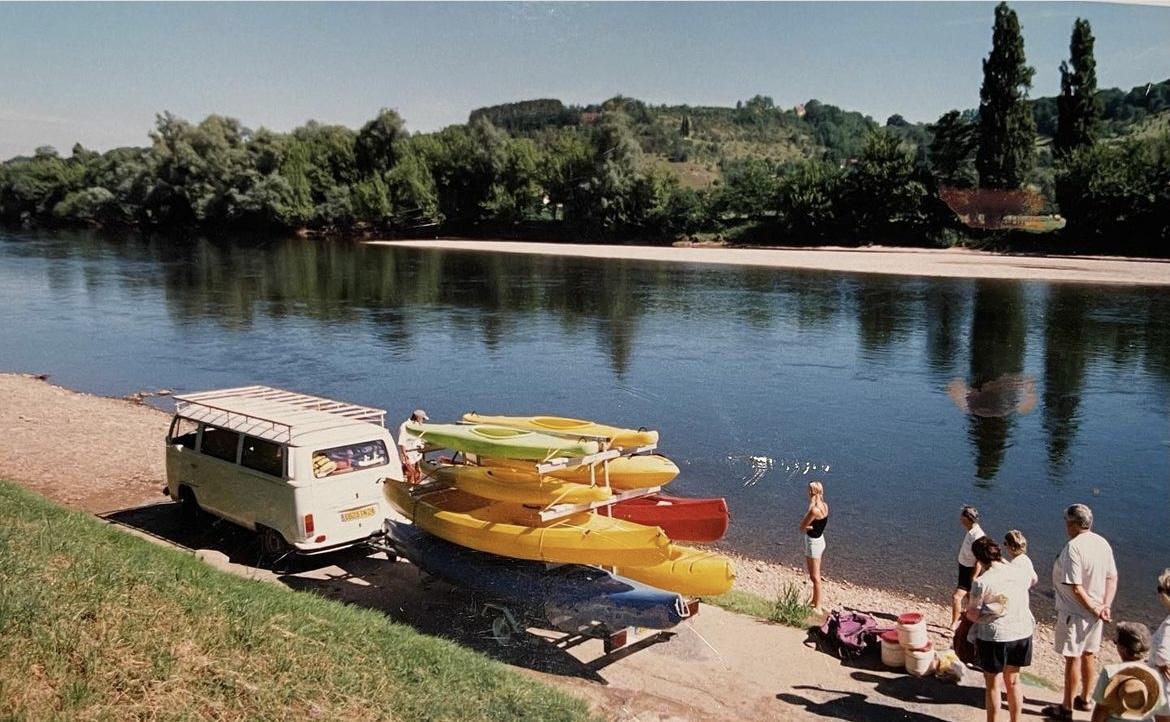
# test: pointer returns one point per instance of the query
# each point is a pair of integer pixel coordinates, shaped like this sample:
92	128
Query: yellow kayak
690	572
625	472
511	530
520	487
618	438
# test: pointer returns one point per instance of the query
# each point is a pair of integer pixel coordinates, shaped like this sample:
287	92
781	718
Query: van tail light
320	538
308	524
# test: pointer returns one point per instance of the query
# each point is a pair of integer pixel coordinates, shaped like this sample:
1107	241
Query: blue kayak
565	597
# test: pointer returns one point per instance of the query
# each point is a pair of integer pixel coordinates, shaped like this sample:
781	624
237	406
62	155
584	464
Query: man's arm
1089	605
1110	592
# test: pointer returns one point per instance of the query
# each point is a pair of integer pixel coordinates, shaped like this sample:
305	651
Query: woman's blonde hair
1164	583
1016	541
817	488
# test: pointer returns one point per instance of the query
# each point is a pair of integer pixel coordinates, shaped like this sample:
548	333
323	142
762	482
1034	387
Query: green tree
884	195
808	196
951	150
378	143
1007	131
1078	107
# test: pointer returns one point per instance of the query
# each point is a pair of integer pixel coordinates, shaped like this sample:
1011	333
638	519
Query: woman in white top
1017	545
969	518
1000	610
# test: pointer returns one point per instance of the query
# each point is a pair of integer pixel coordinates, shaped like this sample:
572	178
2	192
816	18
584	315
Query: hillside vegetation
620	169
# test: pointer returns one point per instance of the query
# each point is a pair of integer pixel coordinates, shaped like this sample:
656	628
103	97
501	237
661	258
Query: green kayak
500	442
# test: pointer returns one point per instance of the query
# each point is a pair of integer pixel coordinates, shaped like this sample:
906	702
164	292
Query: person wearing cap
410	447
969	518
1084	578
1129	690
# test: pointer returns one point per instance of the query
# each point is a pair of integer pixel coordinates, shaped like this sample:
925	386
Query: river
906	396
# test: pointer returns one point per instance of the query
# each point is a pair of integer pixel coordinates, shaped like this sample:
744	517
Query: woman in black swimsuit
813	526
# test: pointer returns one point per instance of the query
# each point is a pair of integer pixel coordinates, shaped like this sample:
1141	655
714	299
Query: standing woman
1160	656
1000	609
813	526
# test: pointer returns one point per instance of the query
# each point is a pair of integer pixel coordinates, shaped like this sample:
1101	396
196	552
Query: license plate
362	513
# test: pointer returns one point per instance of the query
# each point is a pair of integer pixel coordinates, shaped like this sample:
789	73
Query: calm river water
906	396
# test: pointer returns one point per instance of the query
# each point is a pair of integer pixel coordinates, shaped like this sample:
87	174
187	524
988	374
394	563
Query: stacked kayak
566	597
698	520
498	501
512	530
625	472
500	441
615	437
508	484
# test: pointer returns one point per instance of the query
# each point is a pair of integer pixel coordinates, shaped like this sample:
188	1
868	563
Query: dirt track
105	455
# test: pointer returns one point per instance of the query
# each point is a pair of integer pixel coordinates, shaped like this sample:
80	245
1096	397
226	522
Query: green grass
787	608
98	624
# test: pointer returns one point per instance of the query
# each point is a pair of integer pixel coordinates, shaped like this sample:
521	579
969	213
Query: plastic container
920	662
912	630
892	655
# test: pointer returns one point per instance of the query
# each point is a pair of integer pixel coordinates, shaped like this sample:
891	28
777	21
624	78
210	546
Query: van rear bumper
309	548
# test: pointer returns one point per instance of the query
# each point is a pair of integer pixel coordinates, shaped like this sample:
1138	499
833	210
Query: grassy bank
98	624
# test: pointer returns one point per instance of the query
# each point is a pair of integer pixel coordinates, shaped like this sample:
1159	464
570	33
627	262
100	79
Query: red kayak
697	520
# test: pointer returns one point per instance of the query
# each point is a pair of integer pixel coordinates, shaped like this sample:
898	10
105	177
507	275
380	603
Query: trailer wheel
506	631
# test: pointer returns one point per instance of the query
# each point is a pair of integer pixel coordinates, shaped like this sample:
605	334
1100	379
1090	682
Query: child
1130	690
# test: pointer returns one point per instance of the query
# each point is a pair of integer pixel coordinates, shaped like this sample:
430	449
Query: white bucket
892	654
920	662
912	631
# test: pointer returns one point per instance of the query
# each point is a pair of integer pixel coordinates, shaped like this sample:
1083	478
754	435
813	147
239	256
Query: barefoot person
1085	580
813	526
969	518
1131	689
999	608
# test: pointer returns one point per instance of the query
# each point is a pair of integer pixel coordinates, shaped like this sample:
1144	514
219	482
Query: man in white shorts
410	447
1085	579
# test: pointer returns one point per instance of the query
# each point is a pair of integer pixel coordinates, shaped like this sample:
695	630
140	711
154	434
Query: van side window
220	443
184	432
267	457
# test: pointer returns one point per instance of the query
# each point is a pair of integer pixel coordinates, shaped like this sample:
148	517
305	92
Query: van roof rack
270	413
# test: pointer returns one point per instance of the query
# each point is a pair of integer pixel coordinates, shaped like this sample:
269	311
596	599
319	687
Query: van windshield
345	459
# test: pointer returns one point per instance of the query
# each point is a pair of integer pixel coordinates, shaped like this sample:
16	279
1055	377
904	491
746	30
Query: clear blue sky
98	73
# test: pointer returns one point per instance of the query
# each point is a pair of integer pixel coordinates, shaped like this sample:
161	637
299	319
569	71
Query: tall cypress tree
1007	131
1078	108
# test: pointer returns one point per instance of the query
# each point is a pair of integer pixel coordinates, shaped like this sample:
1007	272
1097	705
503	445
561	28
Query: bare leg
814	573
957	607
991	695
1071	680
1088	675
1015	694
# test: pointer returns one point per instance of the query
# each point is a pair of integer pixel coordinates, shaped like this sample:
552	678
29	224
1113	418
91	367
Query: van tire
272	545
189	509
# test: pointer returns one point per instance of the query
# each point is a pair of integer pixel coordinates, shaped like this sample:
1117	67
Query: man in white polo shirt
1085	579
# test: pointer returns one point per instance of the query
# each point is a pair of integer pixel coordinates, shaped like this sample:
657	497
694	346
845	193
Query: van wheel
189	509
273	547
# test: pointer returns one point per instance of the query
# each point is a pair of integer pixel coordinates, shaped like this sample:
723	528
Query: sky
99	73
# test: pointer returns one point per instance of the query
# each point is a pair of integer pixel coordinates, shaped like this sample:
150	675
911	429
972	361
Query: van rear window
344	459
267	457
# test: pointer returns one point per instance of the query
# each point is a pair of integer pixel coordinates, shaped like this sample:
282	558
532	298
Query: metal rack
267	412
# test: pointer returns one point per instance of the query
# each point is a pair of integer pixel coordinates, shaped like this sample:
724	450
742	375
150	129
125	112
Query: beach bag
964	647
847	635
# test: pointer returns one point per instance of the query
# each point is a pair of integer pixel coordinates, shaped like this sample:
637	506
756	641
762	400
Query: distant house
799	110
590	117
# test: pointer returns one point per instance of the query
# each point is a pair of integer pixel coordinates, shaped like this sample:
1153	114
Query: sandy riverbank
942	263
100	455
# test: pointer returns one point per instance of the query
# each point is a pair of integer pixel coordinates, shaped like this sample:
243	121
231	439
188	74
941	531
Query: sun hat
1132	693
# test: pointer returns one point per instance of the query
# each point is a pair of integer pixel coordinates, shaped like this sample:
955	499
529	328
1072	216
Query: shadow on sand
397	589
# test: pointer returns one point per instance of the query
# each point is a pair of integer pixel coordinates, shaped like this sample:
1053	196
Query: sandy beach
940	263
711	669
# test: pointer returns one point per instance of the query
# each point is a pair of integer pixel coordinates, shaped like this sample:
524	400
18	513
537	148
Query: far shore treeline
622	170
